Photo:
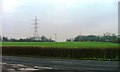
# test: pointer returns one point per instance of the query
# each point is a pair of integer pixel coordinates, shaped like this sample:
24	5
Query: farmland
63	44
73	50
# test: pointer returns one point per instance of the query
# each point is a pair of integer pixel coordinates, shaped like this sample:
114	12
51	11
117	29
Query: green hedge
81	53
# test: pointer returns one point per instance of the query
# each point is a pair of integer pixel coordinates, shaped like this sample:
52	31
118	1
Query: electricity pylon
36	36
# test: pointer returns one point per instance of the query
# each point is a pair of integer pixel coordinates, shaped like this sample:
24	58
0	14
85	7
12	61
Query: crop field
63	44
74	50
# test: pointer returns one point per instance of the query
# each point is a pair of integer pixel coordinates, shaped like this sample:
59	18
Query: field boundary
78	53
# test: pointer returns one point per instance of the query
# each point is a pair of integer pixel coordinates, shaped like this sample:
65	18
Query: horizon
66	18
65	39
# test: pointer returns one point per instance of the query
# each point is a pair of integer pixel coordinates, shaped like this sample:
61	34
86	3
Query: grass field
63	44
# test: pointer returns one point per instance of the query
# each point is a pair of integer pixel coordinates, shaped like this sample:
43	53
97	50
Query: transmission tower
36	36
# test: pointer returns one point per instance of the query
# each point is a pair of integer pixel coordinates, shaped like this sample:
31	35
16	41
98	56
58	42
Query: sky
66	18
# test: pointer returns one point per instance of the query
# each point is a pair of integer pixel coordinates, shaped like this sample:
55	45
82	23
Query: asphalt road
62	64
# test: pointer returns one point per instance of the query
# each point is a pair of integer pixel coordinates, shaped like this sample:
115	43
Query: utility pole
55	37
35	34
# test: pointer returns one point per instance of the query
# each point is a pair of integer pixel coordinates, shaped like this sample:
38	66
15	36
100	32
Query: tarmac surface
13	63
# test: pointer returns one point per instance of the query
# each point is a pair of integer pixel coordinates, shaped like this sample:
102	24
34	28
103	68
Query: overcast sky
66	18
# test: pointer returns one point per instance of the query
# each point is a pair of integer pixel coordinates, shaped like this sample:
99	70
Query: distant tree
5	39
50	39
91	38
0	38
77	38
12	40
44	39
69	40
98	38
118	39
114	38
22	40
107	37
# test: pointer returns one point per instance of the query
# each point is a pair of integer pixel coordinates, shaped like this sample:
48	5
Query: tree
91	38
5	39
77	38
0	38
118	39
114	38
69	40
44	39
107	37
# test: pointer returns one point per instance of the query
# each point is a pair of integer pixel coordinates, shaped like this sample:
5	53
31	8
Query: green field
73	50
63	44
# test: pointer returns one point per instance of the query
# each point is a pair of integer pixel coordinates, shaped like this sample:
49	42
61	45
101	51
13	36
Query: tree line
105	38
30	39
80	38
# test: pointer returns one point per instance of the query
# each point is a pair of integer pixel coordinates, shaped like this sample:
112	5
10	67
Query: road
63	64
